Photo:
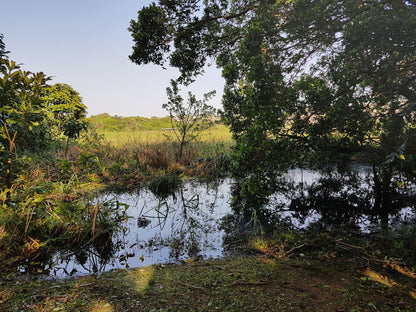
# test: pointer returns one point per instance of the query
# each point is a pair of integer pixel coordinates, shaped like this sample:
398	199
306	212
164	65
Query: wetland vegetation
299	196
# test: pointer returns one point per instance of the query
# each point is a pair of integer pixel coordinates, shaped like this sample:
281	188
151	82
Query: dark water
313	199
188	224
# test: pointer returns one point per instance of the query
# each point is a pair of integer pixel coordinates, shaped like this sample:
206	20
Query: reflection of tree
336	198
184	219
92	258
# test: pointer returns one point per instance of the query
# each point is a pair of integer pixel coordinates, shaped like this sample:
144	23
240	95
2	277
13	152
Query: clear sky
86	44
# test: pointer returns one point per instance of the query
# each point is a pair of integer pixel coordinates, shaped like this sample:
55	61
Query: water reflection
155	229
202	220
310	199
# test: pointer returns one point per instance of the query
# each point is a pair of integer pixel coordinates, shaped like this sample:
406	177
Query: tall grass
125	138
37	214
140	155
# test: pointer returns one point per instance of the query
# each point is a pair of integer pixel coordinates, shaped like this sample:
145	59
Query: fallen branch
290	251
346	245
243	282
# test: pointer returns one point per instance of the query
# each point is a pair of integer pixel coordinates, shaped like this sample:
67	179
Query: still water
154	230
187	225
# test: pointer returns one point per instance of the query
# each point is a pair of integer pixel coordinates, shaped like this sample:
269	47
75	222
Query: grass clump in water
164	185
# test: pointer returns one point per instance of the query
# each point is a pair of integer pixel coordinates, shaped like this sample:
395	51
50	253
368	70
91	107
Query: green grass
240	284
123	138
122	131
285	272
128	157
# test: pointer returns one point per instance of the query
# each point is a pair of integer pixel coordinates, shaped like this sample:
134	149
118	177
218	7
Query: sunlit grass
217	134
380	278
102	306
403	270
142	278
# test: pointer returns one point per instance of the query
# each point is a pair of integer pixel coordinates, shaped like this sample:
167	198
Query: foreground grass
256	283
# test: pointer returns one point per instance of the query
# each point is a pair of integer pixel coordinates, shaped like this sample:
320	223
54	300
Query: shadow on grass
242	284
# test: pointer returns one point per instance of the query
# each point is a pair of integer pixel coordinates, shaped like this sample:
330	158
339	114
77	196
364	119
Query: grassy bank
321	271
132	156
255	283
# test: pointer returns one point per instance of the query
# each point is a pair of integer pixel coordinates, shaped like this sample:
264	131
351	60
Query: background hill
105	122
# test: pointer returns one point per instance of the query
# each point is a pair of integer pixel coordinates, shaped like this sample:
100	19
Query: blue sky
86	44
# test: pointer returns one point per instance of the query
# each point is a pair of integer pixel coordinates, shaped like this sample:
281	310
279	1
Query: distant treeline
105	122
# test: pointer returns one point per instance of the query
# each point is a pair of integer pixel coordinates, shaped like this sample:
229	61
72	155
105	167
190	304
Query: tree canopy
21	107
318	80
32	113
66	106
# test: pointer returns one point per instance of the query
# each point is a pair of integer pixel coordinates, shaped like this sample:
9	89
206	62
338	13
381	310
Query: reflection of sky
187	225
191	218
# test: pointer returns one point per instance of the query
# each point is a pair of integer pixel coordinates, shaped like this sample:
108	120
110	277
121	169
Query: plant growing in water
164	185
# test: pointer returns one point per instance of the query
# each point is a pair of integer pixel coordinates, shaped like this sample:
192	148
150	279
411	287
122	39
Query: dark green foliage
33	115
23	119
190	31
316	82
68	111
149	33
22	110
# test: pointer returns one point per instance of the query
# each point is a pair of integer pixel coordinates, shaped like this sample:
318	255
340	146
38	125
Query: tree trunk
66	148
182	145
382	194
9	157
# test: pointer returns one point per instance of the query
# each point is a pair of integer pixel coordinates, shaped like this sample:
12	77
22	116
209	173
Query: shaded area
249	284
325	199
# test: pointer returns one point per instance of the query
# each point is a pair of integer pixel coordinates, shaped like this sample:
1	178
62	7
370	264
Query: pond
190	224
154	230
